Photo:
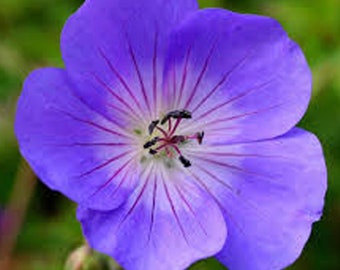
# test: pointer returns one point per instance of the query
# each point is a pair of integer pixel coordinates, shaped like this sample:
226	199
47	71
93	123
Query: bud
84	258
77	258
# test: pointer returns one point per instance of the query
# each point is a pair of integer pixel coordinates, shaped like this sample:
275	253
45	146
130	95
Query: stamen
162	130
152	126
178	139
184	114
152	152
151	143
169	125
170	142
176	149
165	119
200	136
178	121
186	163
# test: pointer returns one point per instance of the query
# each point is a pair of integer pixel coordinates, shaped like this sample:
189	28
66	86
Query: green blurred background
29	38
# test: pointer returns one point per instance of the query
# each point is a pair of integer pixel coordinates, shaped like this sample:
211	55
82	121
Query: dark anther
152	126
184	114
176	114
186	163
177	139
165	119
151	143
200	136
152	152
179	114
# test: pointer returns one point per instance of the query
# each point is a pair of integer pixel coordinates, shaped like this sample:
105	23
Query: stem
15	212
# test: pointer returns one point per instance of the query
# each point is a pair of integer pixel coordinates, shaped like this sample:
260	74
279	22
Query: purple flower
173	128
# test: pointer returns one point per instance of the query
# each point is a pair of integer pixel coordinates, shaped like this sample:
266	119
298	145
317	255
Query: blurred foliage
29	38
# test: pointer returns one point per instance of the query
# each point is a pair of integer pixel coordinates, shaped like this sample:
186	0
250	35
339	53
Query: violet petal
70	147
168	223
240	75
271	192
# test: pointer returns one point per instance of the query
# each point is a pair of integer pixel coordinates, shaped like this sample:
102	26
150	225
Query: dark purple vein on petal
202	126
233	99
116	173
139	196
100	144
119	110
216	200
231	118
119	125
88	122
135	118
154	194
127	175
174	88
233	167
139	74
120	78
243	115
226	76
235	193
181	195
223	129
154	70
107	162
200	76
110	90
184	77
239	155
212	91
172	206
214	177
90	144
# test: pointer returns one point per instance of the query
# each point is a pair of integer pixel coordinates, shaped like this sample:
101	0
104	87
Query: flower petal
167	223
72	148
240	75
121	44
271	192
